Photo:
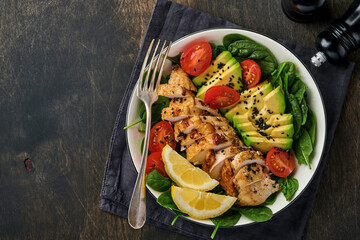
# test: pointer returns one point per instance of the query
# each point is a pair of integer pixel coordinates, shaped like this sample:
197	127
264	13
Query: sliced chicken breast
209	161
199	132
220	157
226	179
173	91
178	109
216	121
180	78
199	103
185	126
251	179
196	152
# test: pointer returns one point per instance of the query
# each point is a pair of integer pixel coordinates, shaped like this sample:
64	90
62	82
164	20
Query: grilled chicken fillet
251	179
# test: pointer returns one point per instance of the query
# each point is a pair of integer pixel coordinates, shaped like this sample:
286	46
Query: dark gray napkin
172	21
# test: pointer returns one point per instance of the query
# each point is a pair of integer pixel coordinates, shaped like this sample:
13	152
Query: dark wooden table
63	68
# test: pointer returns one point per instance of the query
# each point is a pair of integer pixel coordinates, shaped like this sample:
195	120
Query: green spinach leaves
243	48
304	118
156	109
158	182
288	186
227	219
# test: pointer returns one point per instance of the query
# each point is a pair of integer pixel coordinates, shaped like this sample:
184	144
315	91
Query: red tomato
221	96
161	134
196	58
251	72
280	162
155	162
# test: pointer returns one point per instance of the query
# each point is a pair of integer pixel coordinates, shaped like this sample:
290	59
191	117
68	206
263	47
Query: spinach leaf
303	148
304	110
249	49
271	199
142	117
298	89
158	182
214	50
157	107
175	59
257	213
220	49
165	80
286	73
310	125
166	201
218	190
288	186
227	219
233	37
156	110
292	106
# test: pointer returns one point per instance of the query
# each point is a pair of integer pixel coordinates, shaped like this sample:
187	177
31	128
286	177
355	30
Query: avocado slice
280	119
231	77
217	64
264	145
266	128
286	131
252	101
244	95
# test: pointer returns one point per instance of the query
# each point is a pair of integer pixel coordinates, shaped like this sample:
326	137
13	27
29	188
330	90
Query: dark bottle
341	38
302	10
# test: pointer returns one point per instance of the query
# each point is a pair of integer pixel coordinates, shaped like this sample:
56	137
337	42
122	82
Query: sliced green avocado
264	145
245	122
231	78
280	119
217	64
286	131
274	103
243	95
253	102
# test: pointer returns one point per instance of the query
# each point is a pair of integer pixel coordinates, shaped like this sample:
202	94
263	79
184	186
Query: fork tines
148	70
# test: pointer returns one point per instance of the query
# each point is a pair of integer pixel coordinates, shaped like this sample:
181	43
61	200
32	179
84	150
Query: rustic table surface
64	66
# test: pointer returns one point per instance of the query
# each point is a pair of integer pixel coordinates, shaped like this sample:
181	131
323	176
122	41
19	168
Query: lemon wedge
201	205
184	174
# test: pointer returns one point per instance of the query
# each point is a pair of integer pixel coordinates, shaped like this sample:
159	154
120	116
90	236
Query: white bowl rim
322	104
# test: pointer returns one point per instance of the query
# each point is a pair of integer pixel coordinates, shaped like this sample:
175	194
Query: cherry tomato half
155	162
196	58
280	162
221	96
251	72
161	134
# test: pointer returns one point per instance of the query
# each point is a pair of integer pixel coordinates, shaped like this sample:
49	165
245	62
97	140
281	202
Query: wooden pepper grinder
341	38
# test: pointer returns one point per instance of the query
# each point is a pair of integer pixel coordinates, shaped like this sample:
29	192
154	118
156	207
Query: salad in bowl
237	132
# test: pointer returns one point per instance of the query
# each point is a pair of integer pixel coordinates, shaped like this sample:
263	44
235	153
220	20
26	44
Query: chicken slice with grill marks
180	78
173	91
220	157
185	126
200	131
226	176
216	121
209	161
178	109
251	179
196	152
182	108
199	103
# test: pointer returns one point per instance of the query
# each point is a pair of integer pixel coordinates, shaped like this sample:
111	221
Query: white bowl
302	172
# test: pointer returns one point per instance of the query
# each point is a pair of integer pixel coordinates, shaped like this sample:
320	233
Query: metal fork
146	92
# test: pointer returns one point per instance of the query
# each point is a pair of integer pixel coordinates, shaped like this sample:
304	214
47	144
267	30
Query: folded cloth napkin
172	21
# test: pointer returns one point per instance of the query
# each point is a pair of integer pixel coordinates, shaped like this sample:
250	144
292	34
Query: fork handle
137	208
